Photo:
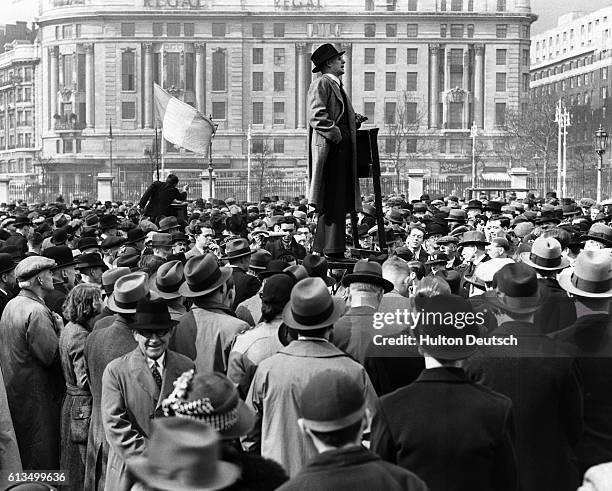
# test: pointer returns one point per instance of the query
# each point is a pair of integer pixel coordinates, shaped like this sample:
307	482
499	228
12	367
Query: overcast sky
547	10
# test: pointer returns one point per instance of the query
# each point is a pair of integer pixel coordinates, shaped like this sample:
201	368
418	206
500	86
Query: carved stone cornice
54	51
89	48
301	47
147	47
199	47
479	49
348	47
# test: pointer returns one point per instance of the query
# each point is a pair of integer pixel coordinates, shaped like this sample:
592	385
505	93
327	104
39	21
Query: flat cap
31	266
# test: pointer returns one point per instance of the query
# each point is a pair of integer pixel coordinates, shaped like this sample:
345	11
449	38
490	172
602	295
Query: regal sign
175	4
297	4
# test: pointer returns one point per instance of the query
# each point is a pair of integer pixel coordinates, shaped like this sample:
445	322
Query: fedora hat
322	54
297	272
22	221
128	259
86	243
275	266
366	271
311	306
473	237
599	232
591	275
160	239
110	277
108	221
62	255
516	289
237	248
183	454
203	276
179	237
111	242
317	268
224	410
394	216
545	254
129	289
152	314
135	235
168	223
260	260
6	263
456	215
494	206
168	279
90	260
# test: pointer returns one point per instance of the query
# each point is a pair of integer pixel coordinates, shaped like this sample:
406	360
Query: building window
525	32
500	114
257	81
443	5
456	5
412	56
390	145
257	56
67	146
279	81
390	56
257	145
411	113
470	30
158	29
128	110
258	113
391	30
173	73
77	30
27	75
604	93
500	56
456	30
81	71
456	146
412	30
369	81
442	30
218	110
279	30
279	145
391	5
411	81
369	110
369	30
67	31
279	113
189	71
603	73
174	29
501	31
218	70
412	6
501	5
525	82
411	145
525	58
28	140
279	56
58	34
68	74
369	5
218	29
127	70
369	56
390	81
500	82
128	29
27	94
258	30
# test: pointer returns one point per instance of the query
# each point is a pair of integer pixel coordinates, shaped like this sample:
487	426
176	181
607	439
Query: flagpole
156	152
163	153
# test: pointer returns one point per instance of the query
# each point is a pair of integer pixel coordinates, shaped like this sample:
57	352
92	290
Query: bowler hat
311	306
322	54
456	215
129	289
59	236
494	206
591	275
213	399
473	237
599	232
260	260
152	314
110	277
86	243
330	401
159	239
108	221
62	255
32	266
317	268
135	235
6	263
183	453
90	260
203	276
168	279
366	271
545	255
167	224
237	248
516	289
474	204
394	216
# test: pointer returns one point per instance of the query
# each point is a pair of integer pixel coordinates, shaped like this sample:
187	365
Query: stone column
200	92
148	85
90	76
465	86
434	84
447	87
415	183
54	82
347	78
105	187
479	85
301	85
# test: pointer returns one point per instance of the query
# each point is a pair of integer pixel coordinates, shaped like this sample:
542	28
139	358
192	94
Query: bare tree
45	163
263	170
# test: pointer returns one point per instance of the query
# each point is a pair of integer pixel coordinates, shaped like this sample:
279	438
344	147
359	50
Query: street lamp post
210	158
473	134
601	143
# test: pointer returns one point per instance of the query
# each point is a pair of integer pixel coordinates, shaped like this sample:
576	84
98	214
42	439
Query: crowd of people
144	349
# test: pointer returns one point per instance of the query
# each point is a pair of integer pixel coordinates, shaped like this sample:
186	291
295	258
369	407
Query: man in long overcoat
332	157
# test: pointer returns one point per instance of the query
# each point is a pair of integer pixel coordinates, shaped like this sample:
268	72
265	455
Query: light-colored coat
326	108
130	401
276	390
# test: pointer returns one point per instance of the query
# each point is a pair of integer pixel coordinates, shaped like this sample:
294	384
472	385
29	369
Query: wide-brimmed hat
168	279
311	306
62	255
6	263
161	239
456	215
275	266
591	275
135	235
474	204
223	410
152	314
90	260
366	271
516	289
237	248
203	276
110	277
473	237
317	268
168	223
85	243
183	454
129	289
260	260
599	232
322	54
545	254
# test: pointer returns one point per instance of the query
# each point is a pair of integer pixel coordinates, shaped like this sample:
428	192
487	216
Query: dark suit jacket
149	201
558	310
453	433
165	196
353	332
246	285
543	383
275	248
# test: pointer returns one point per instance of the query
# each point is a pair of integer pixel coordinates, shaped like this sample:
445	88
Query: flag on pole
182	124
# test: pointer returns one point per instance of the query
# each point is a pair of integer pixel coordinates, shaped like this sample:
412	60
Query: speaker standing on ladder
332	161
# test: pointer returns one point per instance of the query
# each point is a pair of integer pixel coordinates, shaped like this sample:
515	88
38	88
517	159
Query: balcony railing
63	125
